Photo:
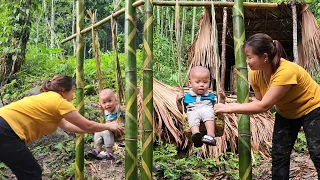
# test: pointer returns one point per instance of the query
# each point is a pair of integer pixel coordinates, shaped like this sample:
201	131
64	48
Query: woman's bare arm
273	95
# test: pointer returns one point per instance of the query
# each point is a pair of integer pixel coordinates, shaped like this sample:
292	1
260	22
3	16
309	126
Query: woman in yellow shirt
28	119
291	89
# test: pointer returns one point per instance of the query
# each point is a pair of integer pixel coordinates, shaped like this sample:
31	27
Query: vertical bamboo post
114	32
223	47
193	23
245	169
214	35
295	31
131	134
178	41
147	106
79	89
96	49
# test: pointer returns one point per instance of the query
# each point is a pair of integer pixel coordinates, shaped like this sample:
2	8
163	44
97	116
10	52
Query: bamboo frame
215	3
131	91
244	144
171	3
147	105
294	32
79	172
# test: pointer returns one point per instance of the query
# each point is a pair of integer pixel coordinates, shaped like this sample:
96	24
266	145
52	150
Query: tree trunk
12	61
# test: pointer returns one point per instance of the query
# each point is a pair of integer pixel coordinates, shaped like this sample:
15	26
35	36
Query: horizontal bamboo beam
171	3
215	3
103	21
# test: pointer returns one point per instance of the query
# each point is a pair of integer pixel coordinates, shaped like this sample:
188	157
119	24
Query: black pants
284	136
16	155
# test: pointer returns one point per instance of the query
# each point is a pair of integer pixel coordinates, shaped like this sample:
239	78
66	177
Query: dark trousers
284	136
16	155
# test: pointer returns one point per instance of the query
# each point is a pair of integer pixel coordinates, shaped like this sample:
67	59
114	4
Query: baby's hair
110	91
58	83
198	68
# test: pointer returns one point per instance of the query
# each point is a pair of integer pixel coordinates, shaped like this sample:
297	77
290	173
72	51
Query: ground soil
301	166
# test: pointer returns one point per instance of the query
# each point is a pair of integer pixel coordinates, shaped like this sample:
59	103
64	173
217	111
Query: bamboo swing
219	122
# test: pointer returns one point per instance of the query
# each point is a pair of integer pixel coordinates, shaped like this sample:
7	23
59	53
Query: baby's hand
179	96
221	93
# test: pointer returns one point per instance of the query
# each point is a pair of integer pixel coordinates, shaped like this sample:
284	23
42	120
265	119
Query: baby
112	110
198	102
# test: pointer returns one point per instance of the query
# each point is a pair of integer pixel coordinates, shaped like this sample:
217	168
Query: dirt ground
301	166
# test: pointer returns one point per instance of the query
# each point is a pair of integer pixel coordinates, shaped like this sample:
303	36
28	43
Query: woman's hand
221	108
116	128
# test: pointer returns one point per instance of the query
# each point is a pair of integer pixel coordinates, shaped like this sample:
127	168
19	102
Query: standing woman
291	89
24	121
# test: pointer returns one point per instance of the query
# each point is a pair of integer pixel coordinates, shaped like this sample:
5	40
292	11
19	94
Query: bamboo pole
114	33
178	41
193	23
79	89
223	47
295	31
171	3
214	35
95	46
103	21
215	3
147	106
245	167
183	25
131	161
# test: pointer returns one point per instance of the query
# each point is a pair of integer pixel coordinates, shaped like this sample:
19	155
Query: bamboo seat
219	128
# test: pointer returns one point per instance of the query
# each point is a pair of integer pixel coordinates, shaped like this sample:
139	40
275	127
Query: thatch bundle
169	124
202	51
310	56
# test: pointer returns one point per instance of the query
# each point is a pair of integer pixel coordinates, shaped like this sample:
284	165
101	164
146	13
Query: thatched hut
276	22
170	124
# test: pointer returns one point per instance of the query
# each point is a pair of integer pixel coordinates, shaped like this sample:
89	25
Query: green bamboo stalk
79	89
244	144
131	161
147	106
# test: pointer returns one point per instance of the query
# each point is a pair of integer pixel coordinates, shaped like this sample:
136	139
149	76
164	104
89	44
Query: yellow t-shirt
35	116
302	97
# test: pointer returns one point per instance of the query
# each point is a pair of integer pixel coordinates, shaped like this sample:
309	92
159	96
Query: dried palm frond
310	41
170	125
202	51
